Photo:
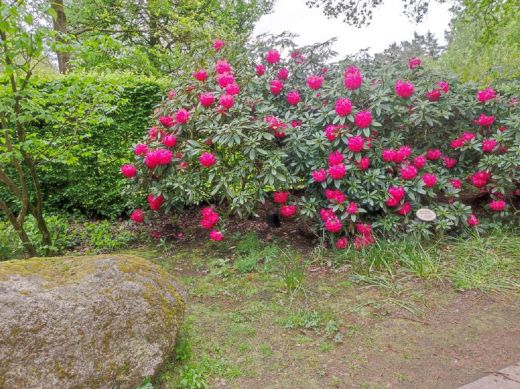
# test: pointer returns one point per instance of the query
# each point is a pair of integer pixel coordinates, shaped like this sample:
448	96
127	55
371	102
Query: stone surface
85	322
508	378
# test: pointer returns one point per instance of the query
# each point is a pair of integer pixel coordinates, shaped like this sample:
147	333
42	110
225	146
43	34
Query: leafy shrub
352	152
92	237
86	124
103	236
12	247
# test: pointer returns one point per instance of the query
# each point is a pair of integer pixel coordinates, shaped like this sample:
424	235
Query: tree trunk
60	26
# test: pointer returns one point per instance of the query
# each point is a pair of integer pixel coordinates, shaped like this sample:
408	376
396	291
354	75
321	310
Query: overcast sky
388	25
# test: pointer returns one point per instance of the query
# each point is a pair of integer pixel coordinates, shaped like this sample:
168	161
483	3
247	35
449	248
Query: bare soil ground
339	330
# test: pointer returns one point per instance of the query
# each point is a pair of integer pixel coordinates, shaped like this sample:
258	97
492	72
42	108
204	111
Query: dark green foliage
96	119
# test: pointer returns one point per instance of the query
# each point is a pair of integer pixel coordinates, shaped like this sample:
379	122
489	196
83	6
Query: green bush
11	246
96	118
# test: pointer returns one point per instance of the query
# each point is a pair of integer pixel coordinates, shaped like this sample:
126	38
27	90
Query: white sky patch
388	25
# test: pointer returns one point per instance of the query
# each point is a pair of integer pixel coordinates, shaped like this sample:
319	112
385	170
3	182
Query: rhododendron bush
353	152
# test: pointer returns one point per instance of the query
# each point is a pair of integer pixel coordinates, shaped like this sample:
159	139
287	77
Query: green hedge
97	118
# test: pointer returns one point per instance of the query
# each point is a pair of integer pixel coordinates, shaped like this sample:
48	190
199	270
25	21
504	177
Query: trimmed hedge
99	117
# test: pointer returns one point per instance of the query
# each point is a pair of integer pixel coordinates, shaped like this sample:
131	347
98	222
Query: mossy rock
85	322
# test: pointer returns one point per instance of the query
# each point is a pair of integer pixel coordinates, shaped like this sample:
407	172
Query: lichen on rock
85	322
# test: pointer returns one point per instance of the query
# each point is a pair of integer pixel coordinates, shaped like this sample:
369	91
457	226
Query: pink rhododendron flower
331	132
444	86
137	216
166	121
429	179
207	159
364	229
352	208
260	70
341	243
409	172
293	97
335	195
280	197
335	157
225	79
209	218
363	241
288	210
485	121
414	62
363	119
154	132
276	87
405	151
232	89
169	141
392	202
353	78
488	145
449	163
343	107
363	163
457	143
200	75
272	56
298	57
216	236
315	82
486	95
355	143
337	172
226	101
468	136
155	202
128	170
497	205
326	214
433	154
472	220
419	161
182	116
222	66
140	149
157	158
397	192
388	155
404	89
433	95
218	44
275	124
404	209
480	179
456	183
319	175
206	99
171	94
283	74
333	224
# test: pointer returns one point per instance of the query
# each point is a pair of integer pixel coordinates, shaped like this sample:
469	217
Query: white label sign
426	214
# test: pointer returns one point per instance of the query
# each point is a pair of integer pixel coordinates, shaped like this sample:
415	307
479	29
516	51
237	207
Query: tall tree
153	34
22	48
59	22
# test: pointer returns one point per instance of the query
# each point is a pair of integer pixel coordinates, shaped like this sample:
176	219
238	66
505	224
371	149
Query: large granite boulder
85	322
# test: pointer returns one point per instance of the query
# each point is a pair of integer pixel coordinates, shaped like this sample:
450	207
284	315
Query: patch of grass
252	253
319	322
191	377
292	266
490	263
